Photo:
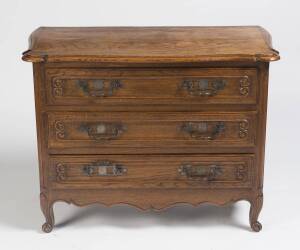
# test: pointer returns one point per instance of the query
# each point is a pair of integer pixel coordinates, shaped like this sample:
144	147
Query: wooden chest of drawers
151	117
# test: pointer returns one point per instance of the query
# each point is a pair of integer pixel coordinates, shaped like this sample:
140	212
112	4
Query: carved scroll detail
245	86
244	126
59	129
241	173
57	87
61	172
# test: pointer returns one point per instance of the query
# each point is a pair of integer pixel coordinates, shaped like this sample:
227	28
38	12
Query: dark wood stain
151	116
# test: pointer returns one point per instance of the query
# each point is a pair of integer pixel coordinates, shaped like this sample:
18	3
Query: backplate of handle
203	130
103	131
203	87
104	168
205	173
99	87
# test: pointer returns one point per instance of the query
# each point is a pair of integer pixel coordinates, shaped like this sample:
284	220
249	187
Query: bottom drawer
155	171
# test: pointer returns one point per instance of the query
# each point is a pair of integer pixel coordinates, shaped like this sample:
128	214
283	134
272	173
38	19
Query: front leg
47	208
256	206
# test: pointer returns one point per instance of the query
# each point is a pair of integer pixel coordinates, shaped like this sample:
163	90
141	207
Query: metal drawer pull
103	131
104	168
99	88
205	173
203	87
201	131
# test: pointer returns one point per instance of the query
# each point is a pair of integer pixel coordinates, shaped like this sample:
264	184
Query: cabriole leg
47	208
256	206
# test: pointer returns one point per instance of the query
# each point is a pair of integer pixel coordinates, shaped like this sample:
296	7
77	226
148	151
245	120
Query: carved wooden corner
47	209
256	206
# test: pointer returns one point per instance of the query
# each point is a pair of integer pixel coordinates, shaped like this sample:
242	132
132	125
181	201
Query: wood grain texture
185	86
181	139
150	44
145	171
150	130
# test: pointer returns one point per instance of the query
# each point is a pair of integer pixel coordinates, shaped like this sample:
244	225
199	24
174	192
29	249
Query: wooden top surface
150	44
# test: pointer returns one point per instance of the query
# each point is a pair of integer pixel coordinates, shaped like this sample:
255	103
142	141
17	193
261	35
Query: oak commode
151	116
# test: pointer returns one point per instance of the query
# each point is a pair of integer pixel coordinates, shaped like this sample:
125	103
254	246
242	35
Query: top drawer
94	86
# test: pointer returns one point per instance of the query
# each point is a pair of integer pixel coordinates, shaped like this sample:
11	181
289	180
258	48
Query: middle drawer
119	132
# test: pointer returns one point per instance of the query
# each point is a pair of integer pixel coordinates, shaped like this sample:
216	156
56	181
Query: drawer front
140	86
105	130
117	171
